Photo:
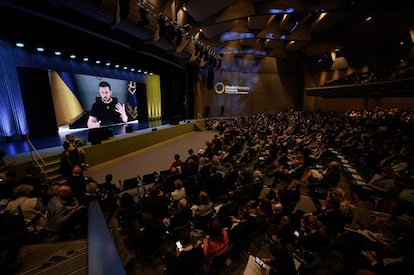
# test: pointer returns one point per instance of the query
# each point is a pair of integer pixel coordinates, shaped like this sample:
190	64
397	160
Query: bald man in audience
62	215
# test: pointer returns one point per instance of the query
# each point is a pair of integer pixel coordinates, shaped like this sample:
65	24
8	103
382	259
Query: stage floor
16	147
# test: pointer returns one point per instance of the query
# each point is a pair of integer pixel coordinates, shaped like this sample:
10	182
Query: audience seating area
254	170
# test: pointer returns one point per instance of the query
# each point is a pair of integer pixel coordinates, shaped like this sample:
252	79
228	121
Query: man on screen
106	110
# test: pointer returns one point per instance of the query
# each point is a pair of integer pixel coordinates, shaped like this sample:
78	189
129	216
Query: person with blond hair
179	192
32	208
344	204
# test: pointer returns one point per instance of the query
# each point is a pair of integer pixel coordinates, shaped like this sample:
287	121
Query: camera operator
74	147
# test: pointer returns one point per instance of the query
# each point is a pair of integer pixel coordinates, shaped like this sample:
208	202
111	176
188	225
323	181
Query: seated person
77	182
315	236
33	210
242	227
74	147
66	165
189	170
32	177
344	204
156	203
128	215
170	178
181	217
12	238
331	216
187	260
8	185
280	261
107	194
278	172
289	196
381	185
177	163
205	205
329	176
148	237
62	217
179	192
264	214
319	181
215	242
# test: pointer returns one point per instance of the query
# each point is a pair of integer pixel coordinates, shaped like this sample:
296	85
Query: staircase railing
36	157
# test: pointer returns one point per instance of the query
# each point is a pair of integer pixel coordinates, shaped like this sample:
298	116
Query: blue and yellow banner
65	98
132	105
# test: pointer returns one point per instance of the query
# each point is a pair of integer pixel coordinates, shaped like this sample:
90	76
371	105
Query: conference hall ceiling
203	32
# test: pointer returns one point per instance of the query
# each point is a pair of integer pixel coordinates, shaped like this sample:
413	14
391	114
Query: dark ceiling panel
312	28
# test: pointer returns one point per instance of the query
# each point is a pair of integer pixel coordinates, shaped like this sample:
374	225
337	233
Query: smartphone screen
260	262
296	233
180	247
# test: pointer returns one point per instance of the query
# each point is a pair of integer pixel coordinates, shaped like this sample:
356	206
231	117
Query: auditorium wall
272	86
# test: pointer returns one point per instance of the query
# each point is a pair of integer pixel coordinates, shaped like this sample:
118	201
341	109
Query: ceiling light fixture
164	20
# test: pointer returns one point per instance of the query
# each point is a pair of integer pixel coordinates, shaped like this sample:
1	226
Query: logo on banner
220	88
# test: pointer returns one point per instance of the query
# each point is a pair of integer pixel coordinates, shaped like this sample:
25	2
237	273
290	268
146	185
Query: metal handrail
40	162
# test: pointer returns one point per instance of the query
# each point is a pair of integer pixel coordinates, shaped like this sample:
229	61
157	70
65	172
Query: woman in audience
177	163
215	242
179	192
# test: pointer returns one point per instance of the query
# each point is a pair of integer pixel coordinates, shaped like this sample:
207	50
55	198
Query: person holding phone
188	258
280	261
106	110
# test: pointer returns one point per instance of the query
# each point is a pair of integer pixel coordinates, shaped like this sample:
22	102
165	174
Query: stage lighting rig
170	29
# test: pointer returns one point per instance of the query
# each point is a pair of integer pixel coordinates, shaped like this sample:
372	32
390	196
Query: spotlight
170	30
